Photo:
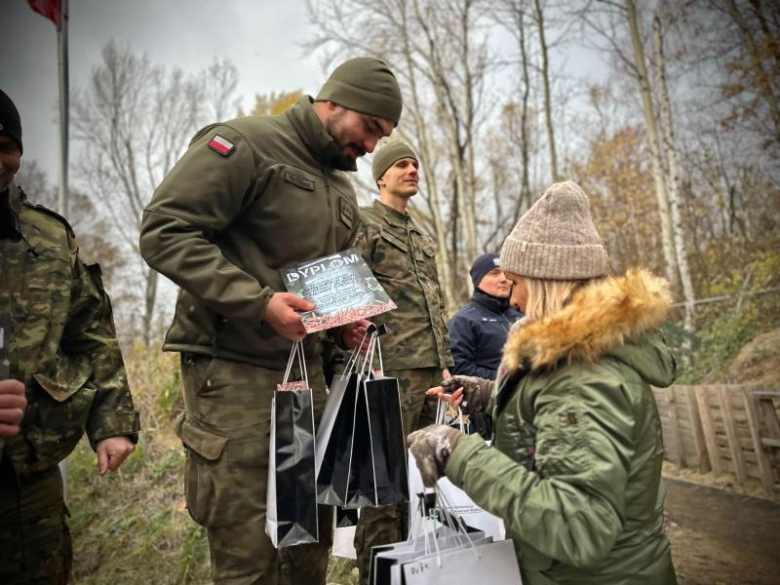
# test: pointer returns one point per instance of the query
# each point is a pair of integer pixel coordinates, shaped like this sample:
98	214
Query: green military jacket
575	468
222	224
403	260
63	344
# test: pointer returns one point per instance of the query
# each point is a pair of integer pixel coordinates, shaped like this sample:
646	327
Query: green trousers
35	544
226	430
389	524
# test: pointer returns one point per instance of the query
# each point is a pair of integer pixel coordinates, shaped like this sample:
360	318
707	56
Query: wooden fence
724	428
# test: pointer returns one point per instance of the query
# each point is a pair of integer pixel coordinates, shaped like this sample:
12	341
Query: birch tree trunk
667	241
673	177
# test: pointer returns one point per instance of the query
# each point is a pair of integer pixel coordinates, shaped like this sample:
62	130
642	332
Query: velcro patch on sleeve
221	145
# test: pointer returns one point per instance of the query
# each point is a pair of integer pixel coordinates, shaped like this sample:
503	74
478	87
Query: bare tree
134	120
439	51
760	76
546	84
512	15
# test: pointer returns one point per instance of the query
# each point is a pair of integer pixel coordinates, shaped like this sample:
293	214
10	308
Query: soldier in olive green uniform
416	349
63	350
250	196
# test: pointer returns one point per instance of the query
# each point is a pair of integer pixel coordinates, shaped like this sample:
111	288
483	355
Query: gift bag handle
296	351
353	354
441	415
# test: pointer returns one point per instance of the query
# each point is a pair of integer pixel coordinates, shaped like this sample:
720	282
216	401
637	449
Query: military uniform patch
221	145
299	180
347	212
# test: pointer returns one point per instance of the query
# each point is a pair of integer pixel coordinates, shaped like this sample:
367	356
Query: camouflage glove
477	391
431	448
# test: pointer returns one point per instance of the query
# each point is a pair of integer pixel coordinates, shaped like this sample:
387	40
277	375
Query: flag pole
62	51
62	204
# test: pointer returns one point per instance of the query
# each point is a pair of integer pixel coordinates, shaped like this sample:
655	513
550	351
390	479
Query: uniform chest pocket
391	257
425	254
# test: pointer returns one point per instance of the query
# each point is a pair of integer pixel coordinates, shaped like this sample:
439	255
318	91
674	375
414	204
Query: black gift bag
291	514
387	439
335	436
362	451
333	477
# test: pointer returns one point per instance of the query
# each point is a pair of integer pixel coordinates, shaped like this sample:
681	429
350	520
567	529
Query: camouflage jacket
63	345
404	262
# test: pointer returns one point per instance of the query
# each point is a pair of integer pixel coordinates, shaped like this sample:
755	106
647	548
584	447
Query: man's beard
337	157
339	160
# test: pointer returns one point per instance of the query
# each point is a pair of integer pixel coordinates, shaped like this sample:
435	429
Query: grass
132	527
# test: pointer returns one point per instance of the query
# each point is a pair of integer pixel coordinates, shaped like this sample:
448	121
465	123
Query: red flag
51	9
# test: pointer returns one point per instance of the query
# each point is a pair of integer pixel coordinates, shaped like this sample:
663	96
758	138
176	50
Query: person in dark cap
416	348
60	356
479	330
250	196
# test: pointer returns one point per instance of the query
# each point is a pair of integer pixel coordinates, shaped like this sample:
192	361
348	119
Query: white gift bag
493	563
460	503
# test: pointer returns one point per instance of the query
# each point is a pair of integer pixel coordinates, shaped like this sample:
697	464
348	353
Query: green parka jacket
249	196
575	468
63	346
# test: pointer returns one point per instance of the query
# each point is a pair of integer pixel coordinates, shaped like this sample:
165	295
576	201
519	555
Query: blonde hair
546	297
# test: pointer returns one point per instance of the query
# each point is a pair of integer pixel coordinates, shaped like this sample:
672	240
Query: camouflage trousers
389	524
35	544
226	430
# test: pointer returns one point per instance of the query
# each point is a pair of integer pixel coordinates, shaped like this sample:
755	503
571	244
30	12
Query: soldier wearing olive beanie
250	195
416	349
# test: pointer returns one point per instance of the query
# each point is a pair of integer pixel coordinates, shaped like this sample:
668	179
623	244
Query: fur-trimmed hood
600	319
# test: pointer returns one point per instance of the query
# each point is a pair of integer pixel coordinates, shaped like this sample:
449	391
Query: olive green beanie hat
366	85
388	155
556	239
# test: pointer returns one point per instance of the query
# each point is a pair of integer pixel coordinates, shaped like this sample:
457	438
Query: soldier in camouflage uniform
250	196
416	349
63	350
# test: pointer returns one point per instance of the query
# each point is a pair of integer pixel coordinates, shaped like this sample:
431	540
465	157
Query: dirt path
719	538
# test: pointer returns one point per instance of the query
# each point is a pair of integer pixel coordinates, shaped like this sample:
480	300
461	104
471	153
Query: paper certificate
341	286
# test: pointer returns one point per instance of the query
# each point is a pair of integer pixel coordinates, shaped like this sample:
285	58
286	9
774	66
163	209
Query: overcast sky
261	37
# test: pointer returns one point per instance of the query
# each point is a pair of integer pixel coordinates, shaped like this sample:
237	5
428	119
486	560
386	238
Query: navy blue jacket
478	333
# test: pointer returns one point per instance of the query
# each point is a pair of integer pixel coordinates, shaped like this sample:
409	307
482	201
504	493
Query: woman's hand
432	447
477	392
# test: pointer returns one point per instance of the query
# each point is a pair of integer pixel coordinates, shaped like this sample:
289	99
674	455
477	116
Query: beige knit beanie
556	238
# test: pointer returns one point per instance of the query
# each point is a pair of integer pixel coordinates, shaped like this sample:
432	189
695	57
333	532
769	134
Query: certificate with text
342	288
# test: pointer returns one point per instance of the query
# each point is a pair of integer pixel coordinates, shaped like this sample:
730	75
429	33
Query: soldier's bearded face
401	179
10	157
356	134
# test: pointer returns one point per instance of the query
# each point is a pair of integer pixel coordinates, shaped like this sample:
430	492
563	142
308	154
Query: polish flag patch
221	145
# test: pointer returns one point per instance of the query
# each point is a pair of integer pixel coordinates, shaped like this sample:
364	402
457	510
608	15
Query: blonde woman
575	467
